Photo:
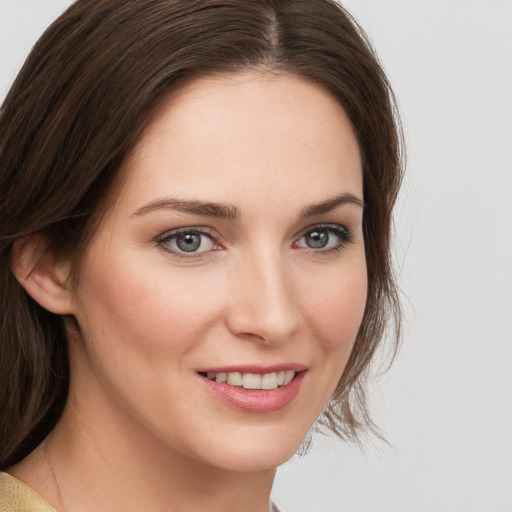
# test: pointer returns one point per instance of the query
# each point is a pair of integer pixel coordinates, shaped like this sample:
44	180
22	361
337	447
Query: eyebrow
231	212
329	205
205	209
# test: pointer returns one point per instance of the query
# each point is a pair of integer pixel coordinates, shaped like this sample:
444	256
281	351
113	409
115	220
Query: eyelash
344	235
166	239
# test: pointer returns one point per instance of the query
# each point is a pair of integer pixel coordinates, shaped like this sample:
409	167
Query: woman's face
233	252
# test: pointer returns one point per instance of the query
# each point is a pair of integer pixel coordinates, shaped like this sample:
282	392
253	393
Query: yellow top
15	496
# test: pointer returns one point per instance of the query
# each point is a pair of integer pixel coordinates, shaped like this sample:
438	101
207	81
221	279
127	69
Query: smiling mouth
266	381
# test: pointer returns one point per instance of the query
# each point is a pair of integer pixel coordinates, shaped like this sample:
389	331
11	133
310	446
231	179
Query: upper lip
254	368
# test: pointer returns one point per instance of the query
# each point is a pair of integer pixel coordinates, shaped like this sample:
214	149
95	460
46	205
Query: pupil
317	239
189	242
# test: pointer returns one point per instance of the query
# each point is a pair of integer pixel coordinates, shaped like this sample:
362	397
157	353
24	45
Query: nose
264	307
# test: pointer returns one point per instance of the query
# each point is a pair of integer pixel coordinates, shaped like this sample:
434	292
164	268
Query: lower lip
256	400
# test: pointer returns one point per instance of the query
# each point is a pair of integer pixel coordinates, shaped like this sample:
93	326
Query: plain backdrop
446	405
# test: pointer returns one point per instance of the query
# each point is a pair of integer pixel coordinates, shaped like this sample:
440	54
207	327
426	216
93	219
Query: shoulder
15	496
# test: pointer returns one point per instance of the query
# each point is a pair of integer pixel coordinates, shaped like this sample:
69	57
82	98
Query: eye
188	241
325	238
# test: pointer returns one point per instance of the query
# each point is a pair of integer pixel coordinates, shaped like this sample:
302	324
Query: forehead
253	133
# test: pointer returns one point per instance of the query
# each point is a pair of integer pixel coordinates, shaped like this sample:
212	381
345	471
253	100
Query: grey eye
317	239
325	238
190	241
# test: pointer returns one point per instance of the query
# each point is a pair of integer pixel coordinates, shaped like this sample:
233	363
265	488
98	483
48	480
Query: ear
43	275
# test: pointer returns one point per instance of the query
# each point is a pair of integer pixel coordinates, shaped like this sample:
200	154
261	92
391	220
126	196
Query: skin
140	430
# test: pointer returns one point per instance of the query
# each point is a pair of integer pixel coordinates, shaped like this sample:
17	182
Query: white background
446	405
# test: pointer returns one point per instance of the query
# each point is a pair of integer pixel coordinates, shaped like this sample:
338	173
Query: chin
252	462
254	452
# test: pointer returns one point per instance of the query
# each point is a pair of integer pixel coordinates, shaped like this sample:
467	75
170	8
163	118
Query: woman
195	206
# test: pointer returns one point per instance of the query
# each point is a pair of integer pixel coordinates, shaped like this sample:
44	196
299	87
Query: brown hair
79	104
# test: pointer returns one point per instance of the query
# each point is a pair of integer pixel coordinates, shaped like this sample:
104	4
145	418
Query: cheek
144	307
336	310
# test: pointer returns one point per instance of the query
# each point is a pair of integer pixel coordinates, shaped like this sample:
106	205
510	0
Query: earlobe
43	275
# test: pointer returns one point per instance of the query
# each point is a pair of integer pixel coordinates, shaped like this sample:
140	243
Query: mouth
255	390
266	381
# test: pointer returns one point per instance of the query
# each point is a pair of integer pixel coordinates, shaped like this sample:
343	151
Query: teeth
254	380
269	381
251	381
288	376
235	378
